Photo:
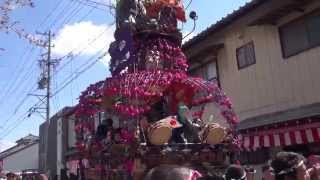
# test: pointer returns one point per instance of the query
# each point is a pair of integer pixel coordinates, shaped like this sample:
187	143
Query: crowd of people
13	176
284	166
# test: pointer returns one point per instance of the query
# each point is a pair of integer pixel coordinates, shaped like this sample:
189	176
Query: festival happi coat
150	91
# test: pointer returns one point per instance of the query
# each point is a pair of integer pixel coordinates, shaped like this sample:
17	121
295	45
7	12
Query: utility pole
46	65
48	78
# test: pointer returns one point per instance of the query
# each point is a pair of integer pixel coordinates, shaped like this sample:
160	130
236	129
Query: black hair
109	122
211	177
168	172
234	172
284	164
282	176
265	168
286	161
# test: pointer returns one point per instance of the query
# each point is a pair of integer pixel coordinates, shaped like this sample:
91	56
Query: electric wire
50	14
66	8
99	3
190	1
75	77
25	98
70	16
72	57
23	117
89	5
66	20
15	75
22	64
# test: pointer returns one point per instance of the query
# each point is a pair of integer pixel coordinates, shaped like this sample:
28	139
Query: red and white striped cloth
281	137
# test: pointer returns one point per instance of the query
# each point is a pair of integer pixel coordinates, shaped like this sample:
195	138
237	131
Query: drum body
213	134
159	133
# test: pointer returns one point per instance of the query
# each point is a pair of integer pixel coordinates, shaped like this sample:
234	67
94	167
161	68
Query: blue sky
77	28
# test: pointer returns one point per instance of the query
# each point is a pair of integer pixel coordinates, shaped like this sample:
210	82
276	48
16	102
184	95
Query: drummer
189	130
105	129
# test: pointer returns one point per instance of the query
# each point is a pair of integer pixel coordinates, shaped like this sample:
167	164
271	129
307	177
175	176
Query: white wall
274	83
24	159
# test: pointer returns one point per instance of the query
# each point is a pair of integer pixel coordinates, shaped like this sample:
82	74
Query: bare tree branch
7	25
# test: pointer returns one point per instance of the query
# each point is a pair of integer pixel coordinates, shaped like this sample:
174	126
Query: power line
17	75
30	90
22	80
23	64
71	15
75	11
99	3
27	74
48	66
79	73
23	117
86	15
25	98
66	8
72	57
187	7
14	83
50	13
82	65
7	131
89	5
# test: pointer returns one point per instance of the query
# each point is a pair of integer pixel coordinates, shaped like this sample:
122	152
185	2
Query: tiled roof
22	143
225	21
16	149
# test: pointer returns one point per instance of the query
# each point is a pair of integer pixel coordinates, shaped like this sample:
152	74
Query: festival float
155	111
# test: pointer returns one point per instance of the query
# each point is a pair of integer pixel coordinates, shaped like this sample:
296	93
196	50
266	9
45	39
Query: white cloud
4	145
85	37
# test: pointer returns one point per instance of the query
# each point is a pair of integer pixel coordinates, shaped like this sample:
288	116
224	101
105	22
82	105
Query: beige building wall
273	83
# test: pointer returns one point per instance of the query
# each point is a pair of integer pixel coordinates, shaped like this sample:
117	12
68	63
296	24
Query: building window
300	35
246	55
207	71
71	133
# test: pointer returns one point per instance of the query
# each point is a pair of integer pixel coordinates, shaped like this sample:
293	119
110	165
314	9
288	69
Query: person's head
43	177
266	174
315	173
11	176
117	134
235	172
289	166
108	122
210	177
170	172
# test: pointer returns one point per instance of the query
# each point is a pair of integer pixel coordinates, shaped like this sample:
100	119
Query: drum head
160	135
216	135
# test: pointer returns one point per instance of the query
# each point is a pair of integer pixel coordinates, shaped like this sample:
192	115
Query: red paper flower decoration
173	122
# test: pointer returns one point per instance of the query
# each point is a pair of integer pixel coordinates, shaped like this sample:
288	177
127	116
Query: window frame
204	66
303	18
71	122
254	55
